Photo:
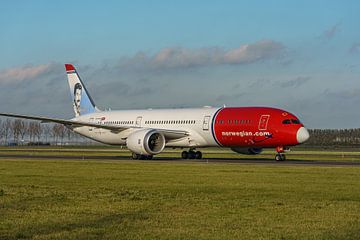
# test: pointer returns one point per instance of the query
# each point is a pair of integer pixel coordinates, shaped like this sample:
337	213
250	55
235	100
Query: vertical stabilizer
82	101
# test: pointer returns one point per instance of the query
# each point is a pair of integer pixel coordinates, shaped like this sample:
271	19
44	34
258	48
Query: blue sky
303	56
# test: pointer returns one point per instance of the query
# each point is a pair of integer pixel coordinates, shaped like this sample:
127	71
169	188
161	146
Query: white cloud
179	57
249	53
22	73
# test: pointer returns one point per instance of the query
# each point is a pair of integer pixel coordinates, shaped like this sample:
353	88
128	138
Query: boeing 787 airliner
245	130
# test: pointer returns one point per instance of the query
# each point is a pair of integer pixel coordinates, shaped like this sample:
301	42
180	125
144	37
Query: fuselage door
91	120
96	121
263	122
99	120
138	122
206	123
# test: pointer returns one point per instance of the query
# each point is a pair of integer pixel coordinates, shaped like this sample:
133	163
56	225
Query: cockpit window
286	121
291	121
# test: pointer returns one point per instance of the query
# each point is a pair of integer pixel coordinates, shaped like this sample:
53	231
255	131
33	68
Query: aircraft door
138	122
91	120
96	130
263	122
206	123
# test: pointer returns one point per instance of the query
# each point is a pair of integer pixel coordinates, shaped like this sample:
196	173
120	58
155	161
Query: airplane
245	130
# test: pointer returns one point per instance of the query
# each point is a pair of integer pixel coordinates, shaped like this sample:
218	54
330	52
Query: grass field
110	199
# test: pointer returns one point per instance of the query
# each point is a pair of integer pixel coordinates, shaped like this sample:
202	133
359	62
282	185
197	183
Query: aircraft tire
192	155
198	155
280	157
135	156
184	155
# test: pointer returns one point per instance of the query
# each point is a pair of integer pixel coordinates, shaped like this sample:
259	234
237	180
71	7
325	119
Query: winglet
69	68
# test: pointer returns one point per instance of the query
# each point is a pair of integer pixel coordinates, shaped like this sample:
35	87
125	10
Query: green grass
58	199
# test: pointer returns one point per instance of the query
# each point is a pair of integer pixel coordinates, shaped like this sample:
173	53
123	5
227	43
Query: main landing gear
280	156
141	157
191	154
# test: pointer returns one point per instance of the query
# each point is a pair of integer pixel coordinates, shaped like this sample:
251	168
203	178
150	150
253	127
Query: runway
206	160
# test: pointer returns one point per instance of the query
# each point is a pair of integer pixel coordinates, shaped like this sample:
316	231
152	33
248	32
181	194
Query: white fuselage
196	121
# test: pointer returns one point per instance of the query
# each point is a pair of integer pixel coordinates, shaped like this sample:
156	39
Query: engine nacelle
146	142
247	151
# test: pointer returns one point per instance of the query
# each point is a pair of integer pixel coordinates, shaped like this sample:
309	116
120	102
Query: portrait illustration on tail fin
77	98
81	99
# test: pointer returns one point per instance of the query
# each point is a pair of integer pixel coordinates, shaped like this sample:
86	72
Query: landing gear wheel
184	155
191	154
135	156
280	157
145	157
198	155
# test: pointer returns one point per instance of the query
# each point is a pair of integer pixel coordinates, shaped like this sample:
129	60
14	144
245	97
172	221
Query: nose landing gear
191	154
280	156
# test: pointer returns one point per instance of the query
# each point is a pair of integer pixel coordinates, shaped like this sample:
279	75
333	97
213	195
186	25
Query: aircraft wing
169	134
70	123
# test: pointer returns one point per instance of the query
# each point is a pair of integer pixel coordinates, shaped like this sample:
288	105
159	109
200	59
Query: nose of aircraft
302	135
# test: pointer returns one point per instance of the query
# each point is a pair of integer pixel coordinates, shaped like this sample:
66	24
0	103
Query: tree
61	133
7	127
16	126
70	135
23	128
34	130
31	131
54	132
1	130
58	131
47	130
37	131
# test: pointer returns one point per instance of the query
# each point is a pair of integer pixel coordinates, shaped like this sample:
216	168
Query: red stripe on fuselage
254	127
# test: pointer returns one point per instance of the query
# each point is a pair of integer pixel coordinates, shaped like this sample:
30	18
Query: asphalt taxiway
205	160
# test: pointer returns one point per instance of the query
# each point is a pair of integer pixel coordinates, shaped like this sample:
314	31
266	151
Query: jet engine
146	142
247	151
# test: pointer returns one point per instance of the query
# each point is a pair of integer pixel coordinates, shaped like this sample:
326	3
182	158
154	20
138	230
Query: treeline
23	132
334	137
